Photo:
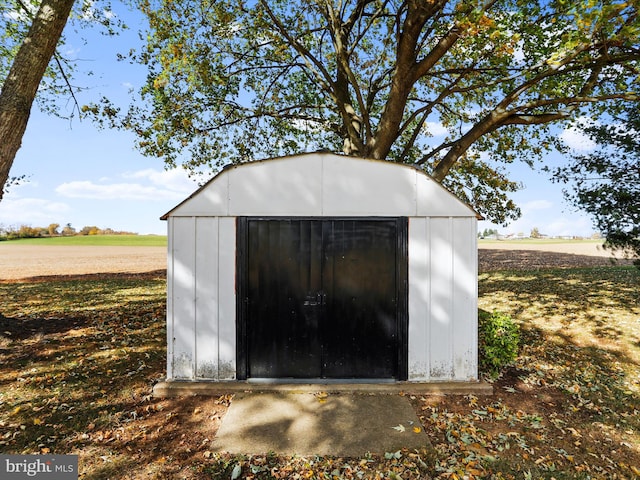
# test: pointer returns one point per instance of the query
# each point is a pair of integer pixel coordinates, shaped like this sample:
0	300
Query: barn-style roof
321	184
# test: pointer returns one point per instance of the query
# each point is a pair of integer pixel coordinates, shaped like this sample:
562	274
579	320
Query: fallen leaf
417	429
393	455
399	428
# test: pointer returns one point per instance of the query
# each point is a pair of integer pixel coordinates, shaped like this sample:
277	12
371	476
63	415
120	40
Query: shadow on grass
580	333
20	328
78	360
84	277
84	386
77	372
581	291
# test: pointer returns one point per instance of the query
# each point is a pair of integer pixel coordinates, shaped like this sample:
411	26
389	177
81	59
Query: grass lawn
97	240
78	359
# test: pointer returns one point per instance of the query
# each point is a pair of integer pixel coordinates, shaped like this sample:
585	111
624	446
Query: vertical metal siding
170	302
464	294
201	301
419	301
183	311
206	297
442	299
441	272
227	296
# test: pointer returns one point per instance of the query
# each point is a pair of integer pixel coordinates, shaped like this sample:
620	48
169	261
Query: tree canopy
458	88
606	182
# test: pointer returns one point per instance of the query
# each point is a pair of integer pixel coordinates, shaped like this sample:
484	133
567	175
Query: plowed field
20	262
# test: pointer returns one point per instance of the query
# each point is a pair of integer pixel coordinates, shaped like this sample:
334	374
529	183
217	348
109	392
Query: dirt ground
532	410
20	262
516	256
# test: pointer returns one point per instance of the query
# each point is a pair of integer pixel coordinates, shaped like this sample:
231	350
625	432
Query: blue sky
84	176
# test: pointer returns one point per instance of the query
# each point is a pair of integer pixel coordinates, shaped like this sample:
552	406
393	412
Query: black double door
322	298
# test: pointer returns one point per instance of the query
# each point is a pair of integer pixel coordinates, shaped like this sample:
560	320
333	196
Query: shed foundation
167	389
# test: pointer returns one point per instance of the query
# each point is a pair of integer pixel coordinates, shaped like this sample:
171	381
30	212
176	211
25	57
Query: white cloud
115	191
436	129
554	225
535	205
576	140
71	52
568	225
549	217
151	185
34	211
176	180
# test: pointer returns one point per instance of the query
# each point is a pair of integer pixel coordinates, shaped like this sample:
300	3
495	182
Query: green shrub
498	342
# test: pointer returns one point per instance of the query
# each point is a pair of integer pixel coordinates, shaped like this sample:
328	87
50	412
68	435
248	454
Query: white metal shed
321	266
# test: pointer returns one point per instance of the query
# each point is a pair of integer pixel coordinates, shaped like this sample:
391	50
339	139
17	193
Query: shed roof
321	184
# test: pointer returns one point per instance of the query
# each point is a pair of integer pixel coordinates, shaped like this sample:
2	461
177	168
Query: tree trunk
21	85
408	72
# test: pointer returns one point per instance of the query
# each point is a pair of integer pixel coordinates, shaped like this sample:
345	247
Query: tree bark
21	85
408	71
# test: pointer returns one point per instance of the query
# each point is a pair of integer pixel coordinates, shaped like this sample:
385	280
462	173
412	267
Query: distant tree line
535	233
54	230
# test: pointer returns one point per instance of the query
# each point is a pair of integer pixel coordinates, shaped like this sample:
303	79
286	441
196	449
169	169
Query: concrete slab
178	388
347	425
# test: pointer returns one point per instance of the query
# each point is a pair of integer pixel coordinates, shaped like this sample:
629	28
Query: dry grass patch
569	407
78	358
